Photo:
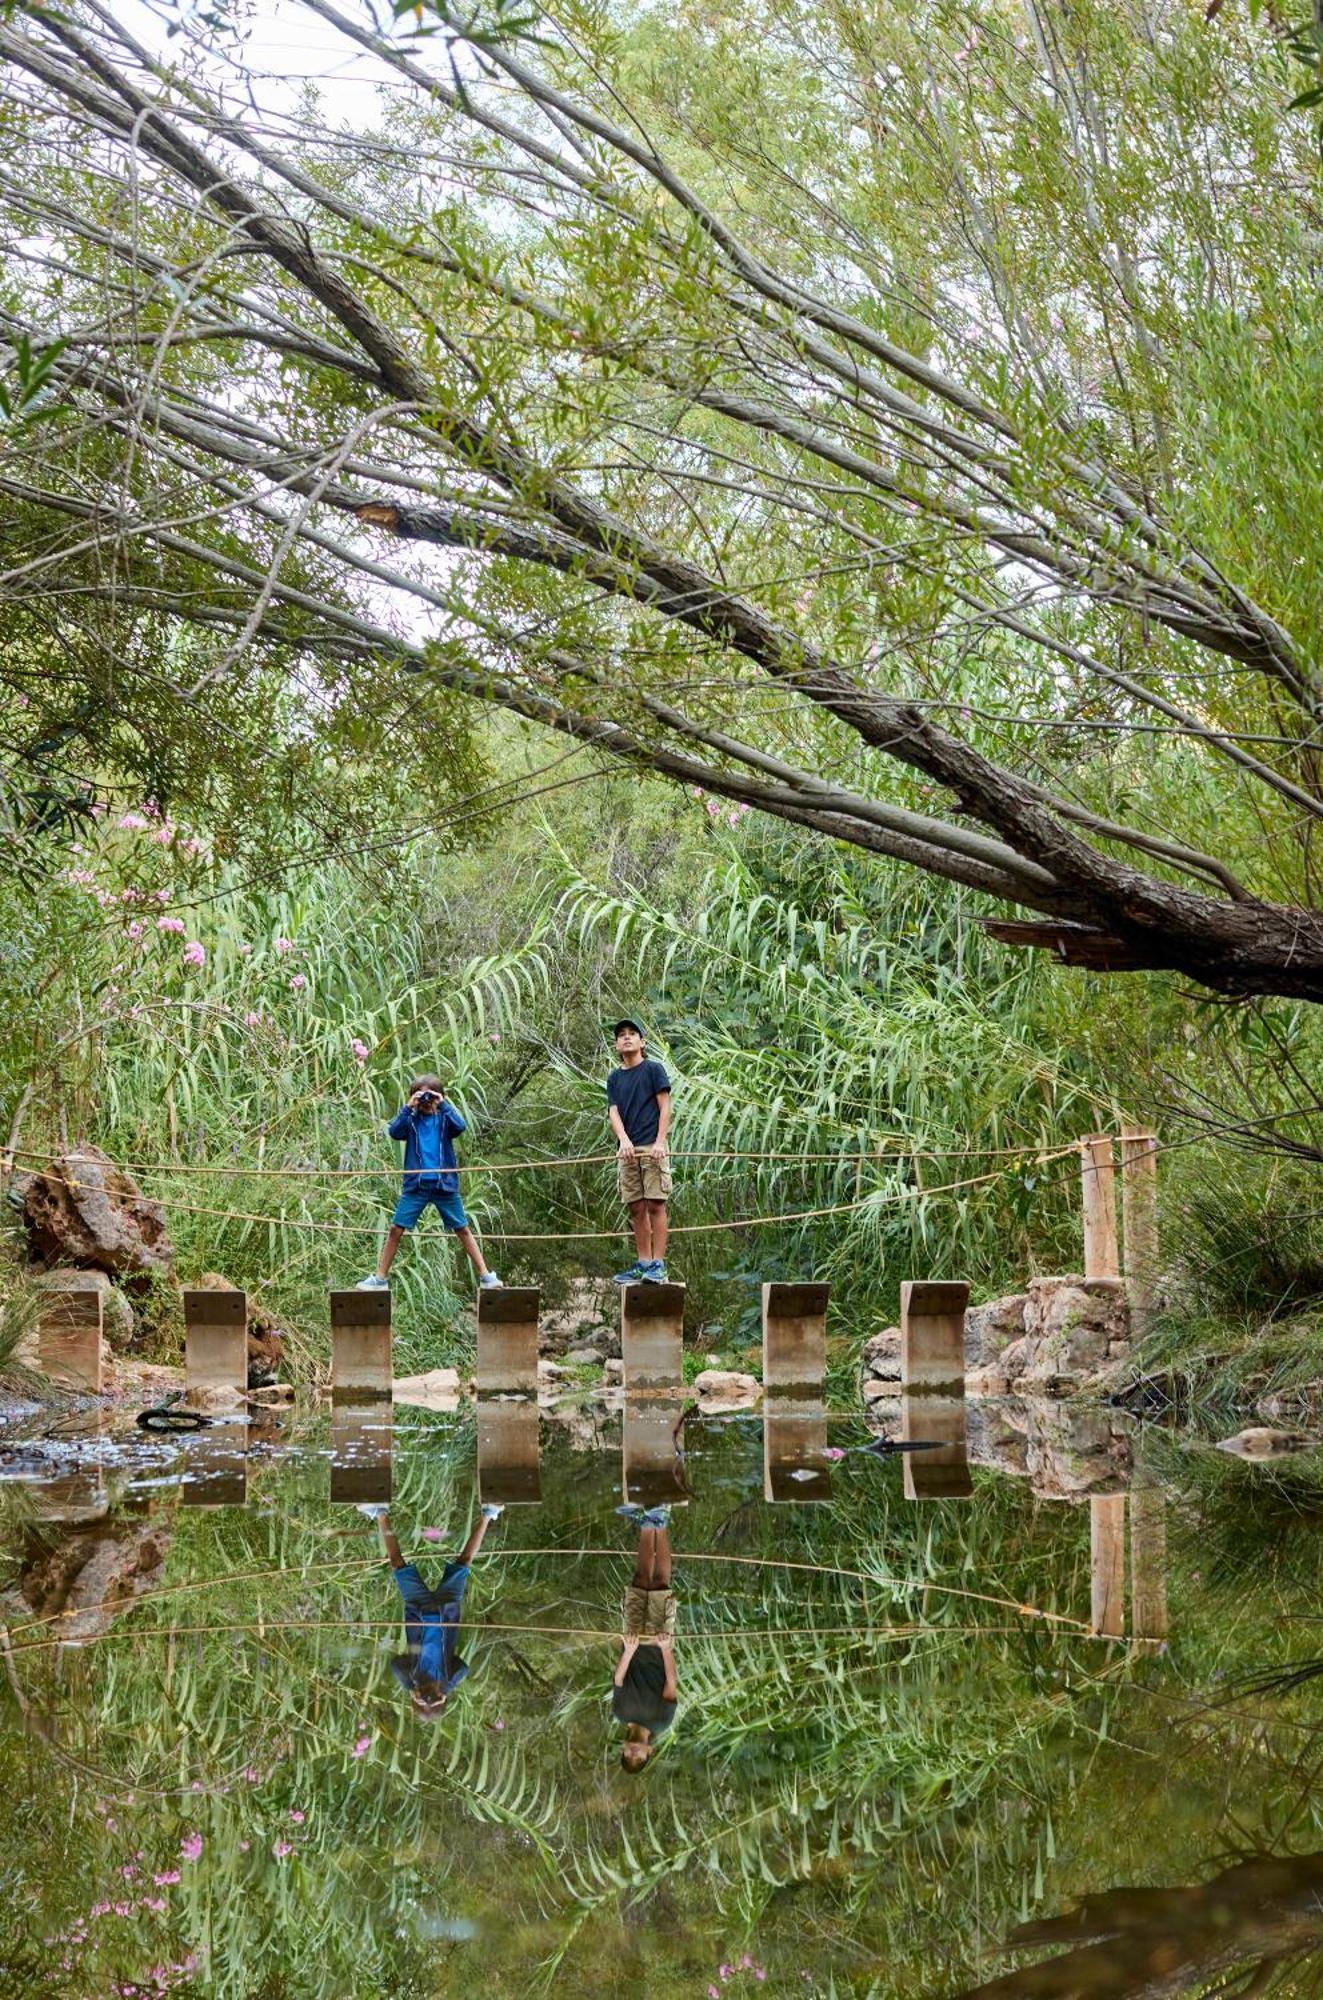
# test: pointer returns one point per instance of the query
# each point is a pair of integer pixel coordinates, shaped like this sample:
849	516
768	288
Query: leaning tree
902	427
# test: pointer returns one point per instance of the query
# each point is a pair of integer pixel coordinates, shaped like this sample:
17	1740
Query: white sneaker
374	1509
491	1512
373	1284
489	1282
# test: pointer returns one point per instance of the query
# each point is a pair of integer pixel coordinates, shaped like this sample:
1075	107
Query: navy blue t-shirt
634	1094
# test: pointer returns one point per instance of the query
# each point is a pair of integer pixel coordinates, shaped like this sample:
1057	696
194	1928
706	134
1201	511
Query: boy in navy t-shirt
428	1124
638	1096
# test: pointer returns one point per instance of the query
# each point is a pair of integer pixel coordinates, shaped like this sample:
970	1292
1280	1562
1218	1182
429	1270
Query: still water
900	1761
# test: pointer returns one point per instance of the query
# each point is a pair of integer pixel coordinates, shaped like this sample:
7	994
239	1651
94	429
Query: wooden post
795	1337
932	1334
1148	1568
216	1341
652	1473
942	1474
1139	1217
70	1343
795	1467
362	1435
360	1345
216	1461
1107	1559
1099	1193
509	1473
507	1339
652	1336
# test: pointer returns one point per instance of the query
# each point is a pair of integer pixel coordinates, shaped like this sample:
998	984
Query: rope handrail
372	1227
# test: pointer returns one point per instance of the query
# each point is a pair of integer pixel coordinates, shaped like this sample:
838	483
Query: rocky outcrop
86	1211
1260	1442
588	1317
1053	1339
93	1572
720	1389
990	1329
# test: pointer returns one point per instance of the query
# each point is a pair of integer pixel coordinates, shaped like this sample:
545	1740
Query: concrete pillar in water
942	1474
507	1339
795	1337
1139	1218
509	1473
1098	1193
1107	1563
652	1474
216	1341
360	1345
932	1334
216	1462
70	1343
1148	1568
652	1336
362	1437
795	1464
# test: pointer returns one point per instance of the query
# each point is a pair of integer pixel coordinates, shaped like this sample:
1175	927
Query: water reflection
645	1690
431	1668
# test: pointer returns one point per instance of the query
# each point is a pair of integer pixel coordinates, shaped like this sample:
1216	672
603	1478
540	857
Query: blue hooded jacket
429	1147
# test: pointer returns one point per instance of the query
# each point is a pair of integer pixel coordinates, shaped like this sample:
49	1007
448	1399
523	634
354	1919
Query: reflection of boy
644	1692
428	1124
431	1668
638	1096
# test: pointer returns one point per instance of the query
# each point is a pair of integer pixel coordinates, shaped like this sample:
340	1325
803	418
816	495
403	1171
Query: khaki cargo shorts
649	1614
644	1178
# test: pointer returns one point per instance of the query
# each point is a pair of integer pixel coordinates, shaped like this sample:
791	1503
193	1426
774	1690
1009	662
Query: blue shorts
420	1597
413	1201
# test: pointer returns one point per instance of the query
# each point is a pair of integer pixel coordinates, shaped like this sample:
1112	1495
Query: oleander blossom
195	955
297	983
191	1846
175	924
252	1020
284	944
360	1049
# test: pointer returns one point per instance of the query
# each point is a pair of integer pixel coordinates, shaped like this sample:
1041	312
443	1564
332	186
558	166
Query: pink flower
760	1972
833	1452
297	1817
244	1846
163	895
724	1971
712	808
165	1876
135	931
297	983
252	1020
363	1745
195	955
360	1049
175	924
746	1963
283	945
133	823
696	792
281	1849
245	950
123	1909
191	1846
128	1871
745	807
252	1776
732	819
103	1909
432	1535
151	1902
713	1993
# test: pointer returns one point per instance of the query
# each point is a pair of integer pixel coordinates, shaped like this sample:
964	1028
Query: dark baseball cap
628	1022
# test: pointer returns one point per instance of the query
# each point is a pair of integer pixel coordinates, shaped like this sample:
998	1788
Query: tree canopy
904	426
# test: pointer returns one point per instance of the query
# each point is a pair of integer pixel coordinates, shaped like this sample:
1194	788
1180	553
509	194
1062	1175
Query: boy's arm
618	1127
666	1647
400	1123
455	1119
630	1647
663	1120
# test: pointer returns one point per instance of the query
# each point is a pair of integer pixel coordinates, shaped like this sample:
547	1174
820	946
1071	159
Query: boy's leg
468	1243
394	1554
661	1560
474	1542
646	1559
395	1235
658	1227
641	1222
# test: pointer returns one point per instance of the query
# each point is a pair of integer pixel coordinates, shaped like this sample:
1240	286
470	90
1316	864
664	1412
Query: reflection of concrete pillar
508	1466
942	1474
216	1340
70	1348
362	1435
80	1495
1139	1216
795	1336
216	1465
1098	1189
1148	1568
1107	1561
795	1466
507	1339
932	1334
360	1345
652	1336
652	1474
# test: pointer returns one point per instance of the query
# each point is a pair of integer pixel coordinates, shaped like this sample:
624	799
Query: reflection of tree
1243	1926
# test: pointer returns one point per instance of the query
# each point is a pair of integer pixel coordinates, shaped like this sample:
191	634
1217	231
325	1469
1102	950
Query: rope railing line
873	1633
899	1150
492	1235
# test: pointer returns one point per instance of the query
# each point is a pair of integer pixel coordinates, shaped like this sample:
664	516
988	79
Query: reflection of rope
873	1200
895	1633
878	1155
